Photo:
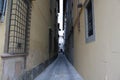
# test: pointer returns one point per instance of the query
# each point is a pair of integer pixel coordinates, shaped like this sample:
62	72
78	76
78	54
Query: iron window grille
90	30
19	26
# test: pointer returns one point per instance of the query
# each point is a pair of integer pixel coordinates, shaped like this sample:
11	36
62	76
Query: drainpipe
3	11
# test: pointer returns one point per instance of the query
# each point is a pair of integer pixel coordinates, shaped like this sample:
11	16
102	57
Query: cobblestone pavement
60	69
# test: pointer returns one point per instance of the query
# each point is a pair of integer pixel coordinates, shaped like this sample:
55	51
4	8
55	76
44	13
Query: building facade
29	37
96	47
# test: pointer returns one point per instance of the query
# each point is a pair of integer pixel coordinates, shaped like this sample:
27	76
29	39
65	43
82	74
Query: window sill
6	55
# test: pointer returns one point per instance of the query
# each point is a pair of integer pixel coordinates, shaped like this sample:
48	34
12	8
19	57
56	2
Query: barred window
90	33
19	26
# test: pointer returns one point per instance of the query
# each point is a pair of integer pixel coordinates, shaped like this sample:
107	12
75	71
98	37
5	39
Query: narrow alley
59	40
60	69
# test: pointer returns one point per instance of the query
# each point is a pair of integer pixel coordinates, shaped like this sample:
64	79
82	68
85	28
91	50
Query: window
90	30
18	23
51	7
1	6
50	40
2	9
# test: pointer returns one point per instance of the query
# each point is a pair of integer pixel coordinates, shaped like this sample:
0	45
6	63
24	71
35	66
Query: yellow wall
100	59
113	23
90	59
39	33
2	41
2	37
39	41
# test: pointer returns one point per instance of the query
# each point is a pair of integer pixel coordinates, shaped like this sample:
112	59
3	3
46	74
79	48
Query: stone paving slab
60	69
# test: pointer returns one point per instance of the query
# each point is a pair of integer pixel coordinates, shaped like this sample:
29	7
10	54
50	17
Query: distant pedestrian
61	50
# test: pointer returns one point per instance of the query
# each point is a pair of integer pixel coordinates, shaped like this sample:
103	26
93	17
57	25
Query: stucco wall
38	56
2	35
90	59
2	41
113	23
13	67
39	33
